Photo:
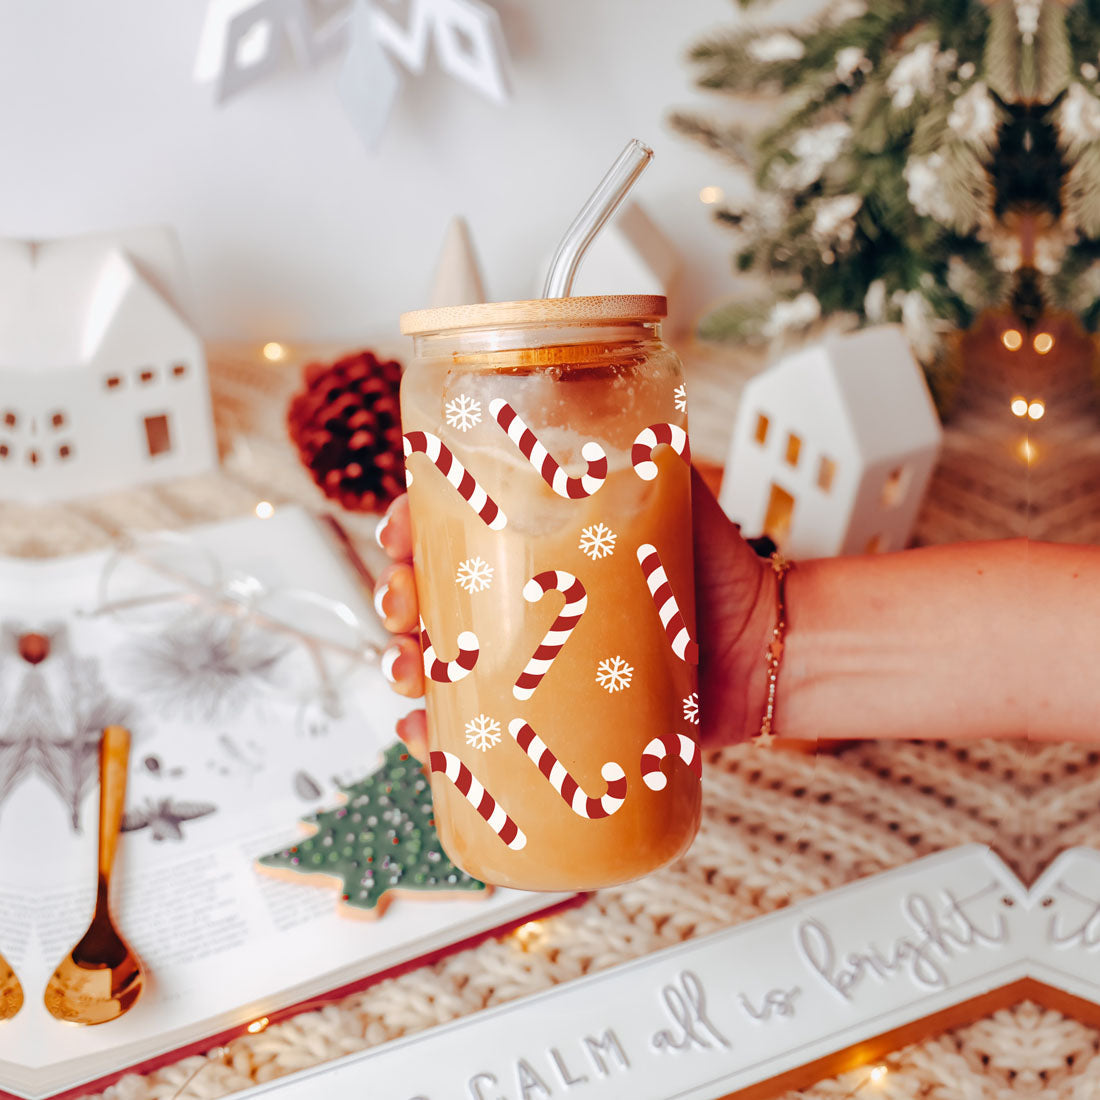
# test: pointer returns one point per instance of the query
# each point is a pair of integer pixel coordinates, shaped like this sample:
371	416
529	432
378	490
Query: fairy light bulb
1012	339
1036	409
878	1075
1027	451
274	352
711	195
1019	406
257	1026
265	509
1042	342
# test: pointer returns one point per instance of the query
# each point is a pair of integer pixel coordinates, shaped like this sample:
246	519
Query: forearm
930	643
1061	636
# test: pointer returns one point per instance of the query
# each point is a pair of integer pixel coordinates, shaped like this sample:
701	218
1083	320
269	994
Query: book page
231	747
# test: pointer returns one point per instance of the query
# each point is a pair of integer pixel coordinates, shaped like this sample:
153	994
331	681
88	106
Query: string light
213	1058
257	1026
1019	406
265	509
711	195
1036	409
274	352
1012	339
1042	342
875	1077
531	935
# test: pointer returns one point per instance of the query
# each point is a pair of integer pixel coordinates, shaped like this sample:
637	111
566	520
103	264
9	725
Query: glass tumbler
549	488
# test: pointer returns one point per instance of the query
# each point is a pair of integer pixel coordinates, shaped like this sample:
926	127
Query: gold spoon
11	992
101	978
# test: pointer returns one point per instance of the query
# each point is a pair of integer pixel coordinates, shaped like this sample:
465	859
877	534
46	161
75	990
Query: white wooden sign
744	1006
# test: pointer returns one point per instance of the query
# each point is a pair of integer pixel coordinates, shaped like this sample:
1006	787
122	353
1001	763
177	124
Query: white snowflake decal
474	574
463	412
691	708
614	674
483	732
681	398
598	541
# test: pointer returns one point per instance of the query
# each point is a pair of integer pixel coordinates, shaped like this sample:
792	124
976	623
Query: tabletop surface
777	826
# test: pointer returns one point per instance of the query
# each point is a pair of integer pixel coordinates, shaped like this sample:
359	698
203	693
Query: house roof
872	378
58	298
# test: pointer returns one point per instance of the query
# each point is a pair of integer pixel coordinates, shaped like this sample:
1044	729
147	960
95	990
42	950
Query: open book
228	755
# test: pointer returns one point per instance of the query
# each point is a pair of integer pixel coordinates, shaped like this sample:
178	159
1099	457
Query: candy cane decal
457	474
478	797
572	488
559	778
449	672
648	439
576	600
659	749
667	607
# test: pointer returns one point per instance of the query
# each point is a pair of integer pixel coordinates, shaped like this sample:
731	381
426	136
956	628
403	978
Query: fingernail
383	523
379	596
389	659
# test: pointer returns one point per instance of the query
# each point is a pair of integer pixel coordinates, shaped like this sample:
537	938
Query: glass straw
602	203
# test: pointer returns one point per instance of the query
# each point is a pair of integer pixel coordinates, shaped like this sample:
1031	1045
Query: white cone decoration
457	279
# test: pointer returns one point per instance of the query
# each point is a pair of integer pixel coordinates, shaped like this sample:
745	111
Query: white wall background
291	229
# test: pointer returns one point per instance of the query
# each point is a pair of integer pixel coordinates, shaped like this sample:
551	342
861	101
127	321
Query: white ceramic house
833	447
103	381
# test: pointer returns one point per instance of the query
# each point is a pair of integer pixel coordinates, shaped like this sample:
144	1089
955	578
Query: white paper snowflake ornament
469	44
467	35
245	41
369	81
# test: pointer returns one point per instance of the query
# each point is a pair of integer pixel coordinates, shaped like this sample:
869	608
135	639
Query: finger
394	530
403	665
413	731
734	611
395	599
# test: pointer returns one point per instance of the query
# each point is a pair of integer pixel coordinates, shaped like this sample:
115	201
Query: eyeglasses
310	644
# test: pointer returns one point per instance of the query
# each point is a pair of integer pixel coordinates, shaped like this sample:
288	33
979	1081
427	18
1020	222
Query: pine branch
1053	53
1001	60
1081	191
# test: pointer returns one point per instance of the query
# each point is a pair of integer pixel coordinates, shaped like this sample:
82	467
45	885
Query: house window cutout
10	419
112	381
826	471
58	420
777	521
4	452
65	451
761	433
895	486
874	545
147	375
179	370
158	437
32	457
794	448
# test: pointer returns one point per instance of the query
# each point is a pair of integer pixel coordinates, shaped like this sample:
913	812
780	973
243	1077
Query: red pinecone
346	424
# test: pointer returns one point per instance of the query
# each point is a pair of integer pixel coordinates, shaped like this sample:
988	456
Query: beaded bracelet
774	653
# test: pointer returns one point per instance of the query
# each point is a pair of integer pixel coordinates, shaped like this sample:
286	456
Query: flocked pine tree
926	160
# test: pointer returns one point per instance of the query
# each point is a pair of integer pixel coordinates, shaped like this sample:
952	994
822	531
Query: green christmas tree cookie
380	843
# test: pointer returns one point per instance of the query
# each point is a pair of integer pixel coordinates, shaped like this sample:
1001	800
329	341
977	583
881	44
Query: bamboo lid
599	309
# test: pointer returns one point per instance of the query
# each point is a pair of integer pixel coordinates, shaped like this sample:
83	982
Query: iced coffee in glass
547	455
